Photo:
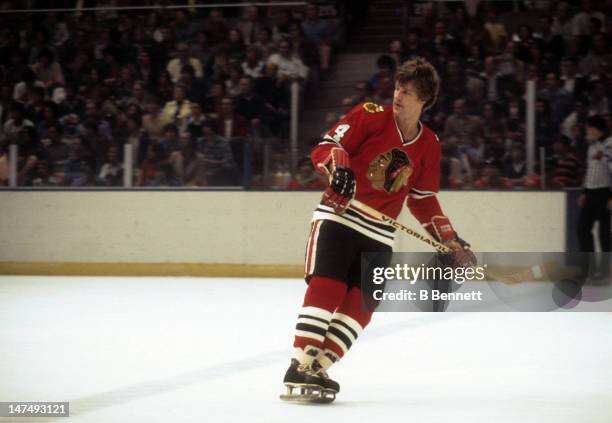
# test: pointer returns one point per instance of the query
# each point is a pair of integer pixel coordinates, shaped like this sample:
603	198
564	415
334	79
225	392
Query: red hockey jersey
387	168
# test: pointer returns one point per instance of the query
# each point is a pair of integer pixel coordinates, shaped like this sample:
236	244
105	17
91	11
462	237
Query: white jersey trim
319	215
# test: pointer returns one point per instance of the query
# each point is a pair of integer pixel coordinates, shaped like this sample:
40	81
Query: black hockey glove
341	189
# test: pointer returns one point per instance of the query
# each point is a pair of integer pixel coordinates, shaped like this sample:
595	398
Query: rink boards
230	233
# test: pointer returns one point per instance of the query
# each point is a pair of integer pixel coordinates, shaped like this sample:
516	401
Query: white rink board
239	227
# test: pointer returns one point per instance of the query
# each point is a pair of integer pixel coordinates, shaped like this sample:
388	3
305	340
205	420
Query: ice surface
215	350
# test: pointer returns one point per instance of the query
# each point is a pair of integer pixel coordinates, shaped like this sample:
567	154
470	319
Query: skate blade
308	395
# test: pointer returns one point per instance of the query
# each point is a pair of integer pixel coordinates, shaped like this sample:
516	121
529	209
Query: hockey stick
386	219
546	271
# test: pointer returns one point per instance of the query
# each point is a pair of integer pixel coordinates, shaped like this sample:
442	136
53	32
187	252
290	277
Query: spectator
319	32
154	121
232	124
573	82
248	104
187	163
4	162
79	170
232	84
578	116
235	47
453	85
580	21
111	172
597	57
264	43
29	152
386	70
6	103
250	24
96	143
311	54
515	167
599	103
92	114
47	70
220	167
461	126
490	176
43	115
16	123
252	65
216	28
182	58
179	108
306	177
56	148
442	39
193	124
560	101
562	21
122	87
151	172
24	88
565	167
276	97
396	51
493	122
170	141
509	64
284	19
212	104
362	93
316	29
496	30
290	67
551	43
43	177
146	71
413	48
492	79
544	127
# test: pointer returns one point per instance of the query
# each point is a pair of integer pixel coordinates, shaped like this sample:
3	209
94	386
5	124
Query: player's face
406	102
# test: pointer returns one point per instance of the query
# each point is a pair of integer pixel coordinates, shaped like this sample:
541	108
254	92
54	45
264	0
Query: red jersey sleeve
349	133
422	200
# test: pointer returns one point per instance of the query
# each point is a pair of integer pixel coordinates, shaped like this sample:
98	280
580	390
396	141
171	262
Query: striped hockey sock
322	297
346	325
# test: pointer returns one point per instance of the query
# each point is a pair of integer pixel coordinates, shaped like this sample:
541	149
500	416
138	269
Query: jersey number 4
340	131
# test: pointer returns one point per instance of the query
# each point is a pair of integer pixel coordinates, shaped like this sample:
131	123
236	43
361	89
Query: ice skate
307	385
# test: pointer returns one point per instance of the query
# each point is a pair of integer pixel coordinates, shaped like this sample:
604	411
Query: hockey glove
338	157
341	190
442	230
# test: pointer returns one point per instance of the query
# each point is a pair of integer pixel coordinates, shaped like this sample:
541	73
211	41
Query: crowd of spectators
188	89
484	60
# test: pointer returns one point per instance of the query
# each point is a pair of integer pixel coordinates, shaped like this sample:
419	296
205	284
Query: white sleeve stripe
422	192
421	196
330	139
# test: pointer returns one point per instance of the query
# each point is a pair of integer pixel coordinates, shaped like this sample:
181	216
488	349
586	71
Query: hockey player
384	157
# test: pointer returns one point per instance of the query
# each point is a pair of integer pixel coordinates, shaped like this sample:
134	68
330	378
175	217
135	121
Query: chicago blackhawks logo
372	107
390	171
